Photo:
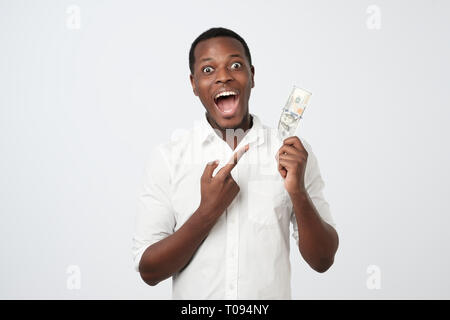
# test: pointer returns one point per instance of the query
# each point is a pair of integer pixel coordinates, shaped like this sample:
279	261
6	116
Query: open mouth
227	102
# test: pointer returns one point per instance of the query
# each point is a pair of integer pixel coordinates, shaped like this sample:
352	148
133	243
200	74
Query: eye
207	70
236	65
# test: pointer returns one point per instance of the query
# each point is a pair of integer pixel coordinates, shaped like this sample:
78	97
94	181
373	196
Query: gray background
81	109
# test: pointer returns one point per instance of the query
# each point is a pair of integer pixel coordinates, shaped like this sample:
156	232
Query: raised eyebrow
234	55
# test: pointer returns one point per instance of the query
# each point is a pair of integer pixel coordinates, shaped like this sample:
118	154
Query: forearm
168	256
318	241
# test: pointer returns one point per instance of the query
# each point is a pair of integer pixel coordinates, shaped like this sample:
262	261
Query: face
223	79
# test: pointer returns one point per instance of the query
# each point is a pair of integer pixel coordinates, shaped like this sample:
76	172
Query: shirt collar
255	134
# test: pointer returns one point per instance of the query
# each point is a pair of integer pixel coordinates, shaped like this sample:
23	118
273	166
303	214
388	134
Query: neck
233	136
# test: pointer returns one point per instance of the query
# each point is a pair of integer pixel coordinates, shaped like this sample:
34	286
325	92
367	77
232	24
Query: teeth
225	93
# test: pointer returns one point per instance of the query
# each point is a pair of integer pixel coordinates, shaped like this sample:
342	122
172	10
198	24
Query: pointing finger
210	166
225	171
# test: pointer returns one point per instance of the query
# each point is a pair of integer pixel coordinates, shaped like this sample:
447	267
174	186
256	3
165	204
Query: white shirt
246	253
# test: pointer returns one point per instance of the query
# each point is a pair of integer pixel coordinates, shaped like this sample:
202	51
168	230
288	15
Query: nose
223	75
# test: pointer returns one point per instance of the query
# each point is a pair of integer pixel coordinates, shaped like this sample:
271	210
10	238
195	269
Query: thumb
210	166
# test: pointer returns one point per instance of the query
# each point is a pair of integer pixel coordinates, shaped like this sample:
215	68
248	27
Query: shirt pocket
268	202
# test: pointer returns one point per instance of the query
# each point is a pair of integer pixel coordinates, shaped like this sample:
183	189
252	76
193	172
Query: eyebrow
234	55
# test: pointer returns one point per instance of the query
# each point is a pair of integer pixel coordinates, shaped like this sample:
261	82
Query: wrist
205	215
298	193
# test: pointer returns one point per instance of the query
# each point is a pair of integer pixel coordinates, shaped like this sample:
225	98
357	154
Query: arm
168	256
171	254
318	241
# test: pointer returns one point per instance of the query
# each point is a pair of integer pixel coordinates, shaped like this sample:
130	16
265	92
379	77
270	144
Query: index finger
226	169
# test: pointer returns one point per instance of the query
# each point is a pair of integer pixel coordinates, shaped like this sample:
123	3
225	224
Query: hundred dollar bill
292	112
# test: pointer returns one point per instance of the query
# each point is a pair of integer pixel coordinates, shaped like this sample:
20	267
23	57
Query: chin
230	123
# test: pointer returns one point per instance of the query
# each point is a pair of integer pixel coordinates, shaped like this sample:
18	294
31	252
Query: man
222	232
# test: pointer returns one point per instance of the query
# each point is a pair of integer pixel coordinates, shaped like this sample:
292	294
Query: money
292	112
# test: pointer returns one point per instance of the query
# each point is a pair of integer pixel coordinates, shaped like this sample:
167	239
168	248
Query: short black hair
213	33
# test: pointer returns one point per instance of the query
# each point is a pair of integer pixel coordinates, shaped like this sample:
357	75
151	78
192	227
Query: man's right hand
219	191
171	254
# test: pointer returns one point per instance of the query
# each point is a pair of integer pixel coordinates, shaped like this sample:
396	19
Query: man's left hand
292	158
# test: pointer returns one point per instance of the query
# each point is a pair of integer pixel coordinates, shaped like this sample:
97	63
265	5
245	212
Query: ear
194	88
252	69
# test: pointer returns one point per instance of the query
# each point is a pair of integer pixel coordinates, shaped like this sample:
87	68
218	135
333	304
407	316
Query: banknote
293	112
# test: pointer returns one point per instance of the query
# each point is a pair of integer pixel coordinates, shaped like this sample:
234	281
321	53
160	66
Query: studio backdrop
88	88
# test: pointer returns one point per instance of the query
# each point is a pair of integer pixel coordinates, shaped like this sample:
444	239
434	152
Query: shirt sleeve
314	186
155	218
